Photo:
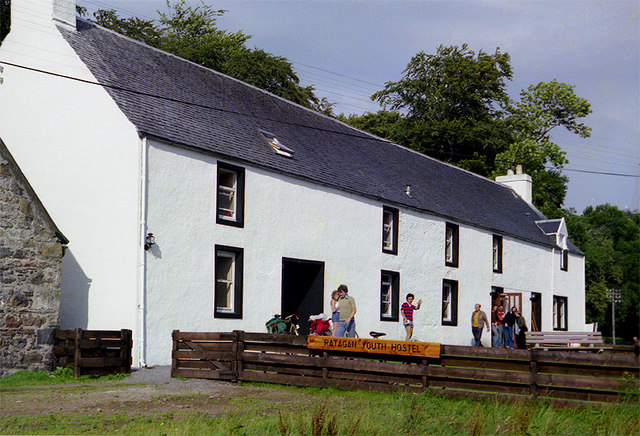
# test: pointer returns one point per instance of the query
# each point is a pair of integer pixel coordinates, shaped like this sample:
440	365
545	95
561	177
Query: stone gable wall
30	276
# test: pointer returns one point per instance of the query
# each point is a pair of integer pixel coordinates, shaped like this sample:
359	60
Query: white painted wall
285	217
81	156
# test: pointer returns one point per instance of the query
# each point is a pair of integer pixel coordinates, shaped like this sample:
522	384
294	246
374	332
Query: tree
453	103
191	33
610	240
542	108
5	18
454	106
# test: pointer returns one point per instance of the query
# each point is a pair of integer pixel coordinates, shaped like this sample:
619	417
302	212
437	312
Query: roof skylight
277	146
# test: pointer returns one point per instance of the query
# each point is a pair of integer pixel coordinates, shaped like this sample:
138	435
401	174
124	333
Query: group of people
343	312
503	326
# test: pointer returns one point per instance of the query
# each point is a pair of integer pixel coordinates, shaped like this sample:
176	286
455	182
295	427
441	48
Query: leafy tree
542	108
610	239
5	18
453	103
191	33
454	106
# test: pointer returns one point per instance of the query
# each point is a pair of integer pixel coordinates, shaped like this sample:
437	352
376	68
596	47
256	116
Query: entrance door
536	311
302	289
513	299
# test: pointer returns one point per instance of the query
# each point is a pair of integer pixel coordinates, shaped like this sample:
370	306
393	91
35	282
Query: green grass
284	410
60	375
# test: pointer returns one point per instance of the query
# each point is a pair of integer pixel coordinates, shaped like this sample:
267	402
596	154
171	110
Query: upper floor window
230	198
559	313
228	282
497	253
451	245
389	230
389	295
564	260
449	302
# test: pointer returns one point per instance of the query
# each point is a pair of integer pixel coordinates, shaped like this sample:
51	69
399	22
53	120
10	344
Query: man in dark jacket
509	321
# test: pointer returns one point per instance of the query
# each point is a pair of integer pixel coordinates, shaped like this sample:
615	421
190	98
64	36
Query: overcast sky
349	49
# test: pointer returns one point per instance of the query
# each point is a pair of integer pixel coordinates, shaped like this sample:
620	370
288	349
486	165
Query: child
335	311
407	314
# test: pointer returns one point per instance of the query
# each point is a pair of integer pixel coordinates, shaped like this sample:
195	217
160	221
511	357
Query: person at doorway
496	326
521	340
509	321
347	307
335	311
407	309
478	322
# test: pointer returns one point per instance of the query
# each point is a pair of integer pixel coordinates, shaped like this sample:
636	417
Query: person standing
497	314
347	307
521	339
509	321
407	309
478	322
335	311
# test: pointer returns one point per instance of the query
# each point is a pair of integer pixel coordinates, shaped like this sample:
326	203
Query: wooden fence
560	376
94	352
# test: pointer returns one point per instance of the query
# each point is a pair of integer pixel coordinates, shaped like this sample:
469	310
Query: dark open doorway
536	311
302	289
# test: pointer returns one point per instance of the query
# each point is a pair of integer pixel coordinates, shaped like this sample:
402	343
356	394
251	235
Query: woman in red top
407	314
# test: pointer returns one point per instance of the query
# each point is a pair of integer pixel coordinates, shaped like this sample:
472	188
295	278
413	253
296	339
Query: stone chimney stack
519	182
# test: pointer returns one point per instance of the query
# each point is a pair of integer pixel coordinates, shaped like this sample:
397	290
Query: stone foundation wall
30	276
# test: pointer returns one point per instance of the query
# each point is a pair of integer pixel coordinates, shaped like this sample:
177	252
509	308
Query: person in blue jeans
508	322
347	307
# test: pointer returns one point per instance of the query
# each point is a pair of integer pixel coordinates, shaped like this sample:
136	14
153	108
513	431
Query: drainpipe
142	254
553	256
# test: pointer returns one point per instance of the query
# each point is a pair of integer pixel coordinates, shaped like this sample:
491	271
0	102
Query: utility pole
615	297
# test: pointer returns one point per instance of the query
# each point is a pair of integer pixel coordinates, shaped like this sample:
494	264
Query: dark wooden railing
94	352
557	375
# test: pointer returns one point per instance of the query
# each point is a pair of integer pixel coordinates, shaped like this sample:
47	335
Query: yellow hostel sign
377	346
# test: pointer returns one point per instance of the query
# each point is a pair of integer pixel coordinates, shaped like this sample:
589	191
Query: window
389	230
564	260
228	285
497	253
389	295
277	146
451	245
449	302
230	205
5	19
559	313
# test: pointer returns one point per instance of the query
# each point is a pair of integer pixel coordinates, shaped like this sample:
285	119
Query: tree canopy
610	240
453	105
191	32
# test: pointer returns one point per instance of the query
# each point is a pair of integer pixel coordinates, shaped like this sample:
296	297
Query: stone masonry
30	273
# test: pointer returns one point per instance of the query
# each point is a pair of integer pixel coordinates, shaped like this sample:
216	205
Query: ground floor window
449	302
559	313
228	282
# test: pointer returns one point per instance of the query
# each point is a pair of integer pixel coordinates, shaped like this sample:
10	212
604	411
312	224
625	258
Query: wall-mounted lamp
149	240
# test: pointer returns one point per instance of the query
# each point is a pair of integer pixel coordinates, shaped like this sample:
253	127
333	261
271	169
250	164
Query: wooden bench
558	340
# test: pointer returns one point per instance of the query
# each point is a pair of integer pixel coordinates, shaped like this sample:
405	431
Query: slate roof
175	100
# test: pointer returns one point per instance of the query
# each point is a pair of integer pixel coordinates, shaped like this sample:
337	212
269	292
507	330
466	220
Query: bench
572	341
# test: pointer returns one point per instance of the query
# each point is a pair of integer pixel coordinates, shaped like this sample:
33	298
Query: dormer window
274	143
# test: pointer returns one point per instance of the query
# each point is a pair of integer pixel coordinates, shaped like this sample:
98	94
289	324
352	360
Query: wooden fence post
125	350
325	370
239	352
425	372
77	354
533	372
174	350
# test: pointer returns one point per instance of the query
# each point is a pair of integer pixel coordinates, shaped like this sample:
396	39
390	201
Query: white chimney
519	182
37	12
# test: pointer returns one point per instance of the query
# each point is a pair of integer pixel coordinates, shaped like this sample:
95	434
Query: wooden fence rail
557	375
94	352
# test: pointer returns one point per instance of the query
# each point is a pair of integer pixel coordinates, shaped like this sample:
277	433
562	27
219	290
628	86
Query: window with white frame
389	230
451	245
389	295
497	253
449	302
559	313
228	282
230	195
